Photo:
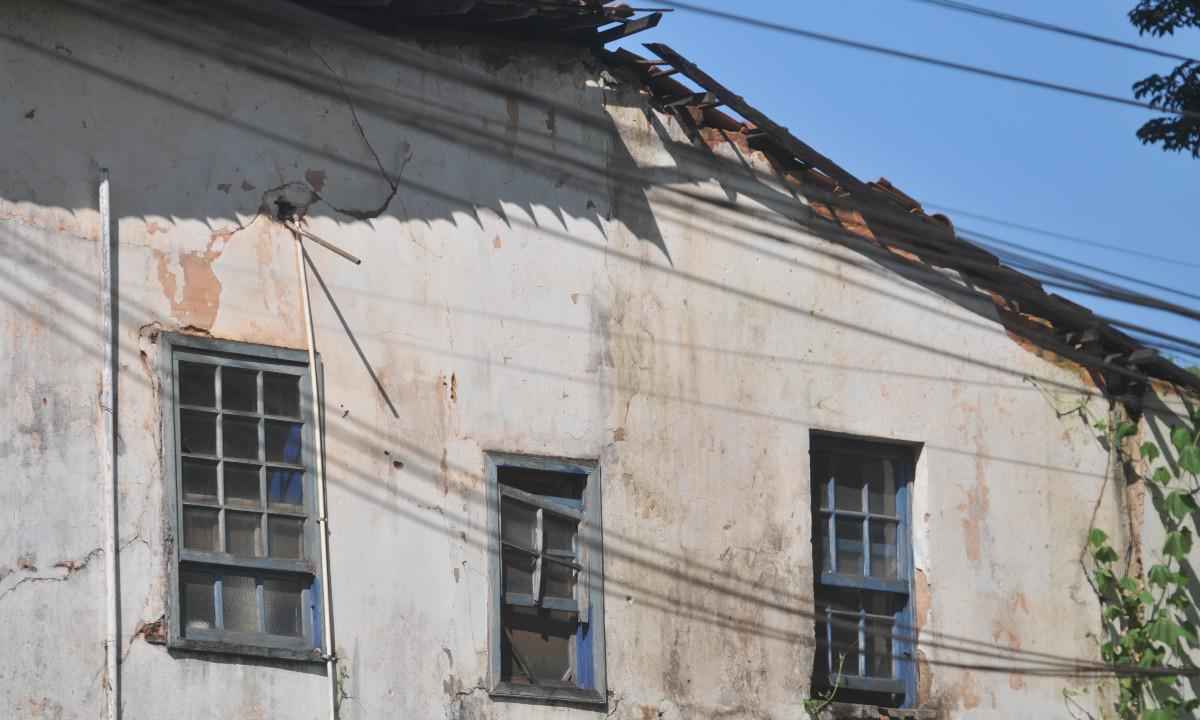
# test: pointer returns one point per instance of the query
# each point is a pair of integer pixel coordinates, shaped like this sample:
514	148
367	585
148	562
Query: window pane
821	548
200	529
281	394
196	386
199	609
241	485
518	572
881	485
239	389
199	480
518	523
820	480
848	484
243	534
554	484
845	644
821	654
239	437
282	604
239	602
197	432
883	548
849	546
285	489
559	533
879	648
286	536
283	442
538	644
558	580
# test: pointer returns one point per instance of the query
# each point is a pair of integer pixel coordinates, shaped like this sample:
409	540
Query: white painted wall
511	298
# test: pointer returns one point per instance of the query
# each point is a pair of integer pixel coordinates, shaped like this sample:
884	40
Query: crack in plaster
70	566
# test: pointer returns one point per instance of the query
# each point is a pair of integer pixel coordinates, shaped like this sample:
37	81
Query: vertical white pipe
108	423
322	519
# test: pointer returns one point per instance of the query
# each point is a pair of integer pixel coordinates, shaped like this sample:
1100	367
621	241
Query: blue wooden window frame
218	565
830	585
588	652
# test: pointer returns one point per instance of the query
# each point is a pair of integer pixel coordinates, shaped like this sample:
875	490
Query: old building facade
606	375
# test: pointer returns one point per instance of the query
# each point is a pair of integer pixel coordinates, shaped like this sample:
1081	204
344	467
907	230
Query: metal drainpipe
322	519
108	415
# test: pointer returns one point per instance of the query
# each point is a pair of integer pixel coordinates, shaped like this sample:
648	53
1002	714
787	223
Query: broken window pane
283	442
883	548
518	572
239	389
239	603
849	546
285	489
849	485
239	437
243	534
281	394
879	648
538	647
553	484
844	629
820	480
241	485
518	523
197	432
559	533
200	529
558	580
196	386
282	605
286	537
199	608
199	480
881	485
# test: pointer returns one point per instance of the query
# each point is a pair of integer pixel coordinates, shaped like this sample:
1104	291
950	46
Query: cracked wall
520	291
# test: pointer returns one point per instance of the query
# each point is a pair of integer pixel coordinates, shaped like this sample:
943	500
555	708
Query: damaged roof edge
1120	366
587	22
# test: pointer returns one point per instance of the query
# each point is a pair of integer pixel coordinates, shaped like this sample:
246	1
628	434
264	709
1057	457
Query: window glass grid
862	555
267	522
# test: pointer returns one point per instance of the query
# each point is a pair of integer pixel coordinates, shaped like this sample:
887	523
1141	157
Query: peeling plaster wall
510	298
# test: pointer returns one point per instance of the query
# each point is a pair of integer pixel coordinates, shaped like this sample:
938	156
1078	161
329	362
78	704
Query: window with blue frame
546	629
238	424
862	552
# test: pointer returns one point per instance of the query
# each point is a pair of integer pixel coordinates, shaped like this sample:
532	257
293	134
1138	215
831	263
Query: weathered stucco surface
513	298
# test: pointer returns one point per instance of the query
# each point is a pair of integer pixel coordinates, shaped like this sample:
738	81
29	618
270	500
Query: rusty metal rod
325	244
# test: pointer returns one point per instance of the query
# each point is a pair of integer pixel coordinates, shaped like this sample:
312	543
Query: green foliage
1177	91
1147	619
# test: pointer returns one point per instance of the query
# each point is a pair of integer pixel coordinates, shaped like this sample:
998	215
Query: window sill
225	647
850	711
548	694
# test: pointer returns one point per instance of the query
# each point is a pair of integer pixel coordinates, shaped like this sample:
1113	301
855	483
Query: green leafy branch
1147	620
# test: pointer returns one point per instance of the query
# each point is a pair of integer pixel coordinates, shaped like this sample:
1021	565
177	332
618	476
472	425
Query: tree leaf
1165	631
1160	575
1162	476
1149	451
1189	459
1181	437
1180	504
1125	429
1097	537
1178	544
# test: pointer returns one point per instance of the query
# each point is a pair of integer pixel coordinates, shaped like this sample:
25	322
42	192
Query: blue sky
1035	157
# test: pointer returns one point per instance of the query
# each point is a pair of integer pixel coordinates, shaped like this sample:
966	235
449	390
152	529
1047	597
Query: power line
1016	248
1051	27
926	59
1063	236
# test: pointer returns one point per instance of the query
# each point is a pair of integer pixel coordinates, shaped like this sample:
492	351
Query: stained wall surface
543	272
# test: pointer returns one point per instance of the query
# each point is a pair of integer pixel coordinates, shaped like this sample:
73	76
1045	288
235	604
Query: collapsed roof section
890	220
588	22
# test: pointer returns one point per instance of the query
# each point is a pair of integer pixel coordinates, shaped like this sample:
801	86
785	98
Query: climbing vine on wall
1150	619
